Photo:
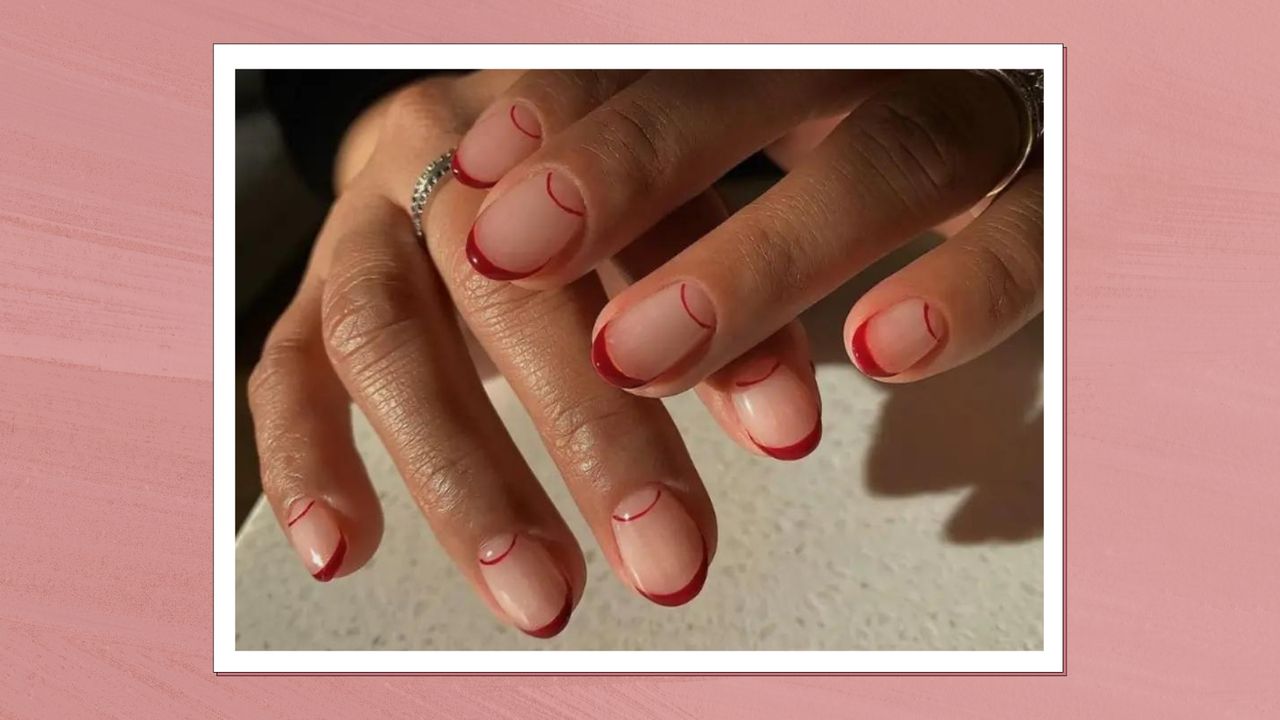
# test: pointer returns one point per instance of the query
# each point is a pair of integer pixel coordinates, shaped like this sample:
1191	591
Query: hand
914	150
375	321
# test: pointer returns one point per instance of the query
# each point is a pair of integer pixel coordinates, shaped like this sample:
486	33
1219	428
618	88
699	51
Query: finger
311	474
642	153
391	335
537	105
767	401
904	160
960	299
621	456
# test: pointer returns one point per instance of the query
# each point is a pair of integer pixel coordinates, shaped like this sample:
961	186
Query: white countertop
915	525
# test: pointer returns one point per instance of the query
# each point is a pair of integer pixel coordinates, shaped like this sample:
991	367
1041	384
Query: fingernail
661	547
895	339
778	410
495	144
653	335
527	583
522	230
314	532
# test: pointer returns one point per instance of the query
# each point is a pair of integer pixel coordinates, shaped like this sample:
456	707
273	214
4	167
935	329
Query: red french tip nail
688	592
862	353
604	364
554	627
456	166
486	267
326	573
798	450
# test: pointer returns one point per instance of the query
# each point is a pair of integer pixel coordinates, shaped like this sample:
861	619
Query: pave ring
1027	89
432	175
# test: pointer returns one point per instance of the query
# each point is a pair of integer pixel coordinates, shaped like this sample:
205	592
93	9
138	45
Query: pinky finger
960	299
311	474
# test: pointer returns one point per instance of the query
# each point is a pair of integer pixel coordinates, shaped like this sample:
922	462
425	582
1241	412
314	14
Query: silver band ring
1027	89
432	175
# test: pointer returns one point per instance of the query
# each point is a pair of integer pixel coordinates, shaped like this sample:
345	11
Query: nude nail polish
495	144
524	229
894	340
527	583
654	335
313	530
662	549
778	409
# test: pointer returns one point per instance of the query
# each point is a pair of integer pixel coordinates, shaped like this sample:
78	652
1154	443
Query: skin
375	322
873	159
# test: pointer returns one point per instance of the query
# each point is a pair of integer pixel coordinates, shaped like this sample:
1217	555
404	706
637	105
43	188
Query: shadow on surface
979	426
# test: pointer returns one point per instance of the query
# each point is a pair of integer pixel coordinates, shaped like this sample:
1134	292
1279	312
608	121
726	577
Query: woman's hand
375	320
582	163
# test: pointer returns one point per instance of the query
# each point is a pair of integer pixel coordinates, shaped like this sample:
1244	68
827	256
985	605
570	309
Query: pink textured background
105	342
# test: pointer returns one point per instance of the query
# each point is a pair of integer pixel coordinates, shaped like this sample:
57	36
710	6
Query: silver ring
431	176
1027	89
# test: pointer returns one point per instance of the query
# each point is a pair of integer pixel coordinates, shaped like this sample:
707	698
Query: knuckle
915	142
1012	274
367	314
632	139
575	422
774	248
573	91
279	362
440	471
423	108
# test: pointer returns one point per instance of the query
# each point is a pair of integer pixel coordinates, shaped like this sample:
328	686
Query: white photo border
1051	659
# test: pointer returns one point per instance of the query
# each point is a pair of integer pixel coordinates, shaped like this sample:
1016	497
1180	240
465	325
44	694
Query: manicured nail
895	339
652	336
522	230
314	532
778	409
661	547
527	584
495	144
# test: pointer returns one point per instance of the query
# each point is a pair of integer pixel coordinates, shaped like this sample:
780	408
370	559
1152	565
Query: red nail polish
554	627
485	267
456	166
798	450
688	592
757	380
330	569
561	205
604	364
503	554
862	353
515	121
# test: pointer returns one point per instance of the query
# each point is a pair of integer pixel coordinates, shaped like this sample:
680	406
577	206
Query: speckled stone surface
915	525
